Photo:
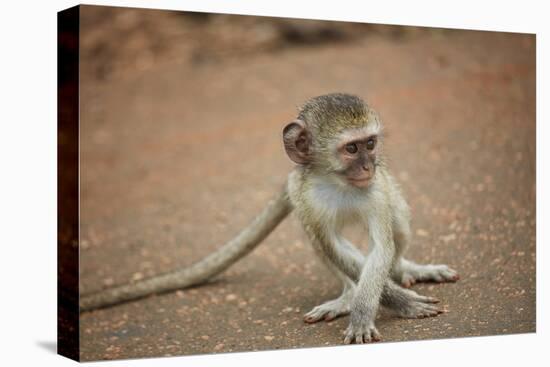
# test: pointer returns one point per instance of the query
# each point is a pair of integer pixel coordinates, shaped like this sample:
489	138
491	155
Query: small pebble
422	232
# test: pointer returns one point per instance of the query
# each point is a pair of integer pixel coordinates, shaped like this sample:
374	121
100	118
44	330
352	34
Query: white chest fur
340	205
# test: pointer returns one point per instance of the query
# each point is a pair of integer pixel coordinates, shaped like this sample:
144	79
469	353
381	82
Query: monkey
341	178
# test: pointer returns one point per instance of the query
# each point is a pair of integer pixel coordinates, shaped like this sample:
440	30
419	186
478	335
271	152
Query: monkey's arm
374	274
200	272
370	274
403	302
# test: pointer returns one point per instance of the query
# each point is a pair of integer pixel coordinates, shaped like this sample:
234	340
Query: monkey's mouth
359	182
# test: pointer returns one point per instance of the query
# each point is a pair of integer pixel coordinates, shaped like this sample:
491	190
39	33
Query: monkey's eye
351	148
370	144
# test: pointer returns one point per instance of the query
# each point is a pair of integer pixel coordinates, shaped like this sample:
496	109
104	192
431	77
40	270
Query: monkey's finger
376	335
348	338
349	335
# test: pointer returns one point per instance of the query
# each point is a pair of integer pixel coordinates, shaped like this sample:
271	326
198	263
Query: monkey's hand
361	328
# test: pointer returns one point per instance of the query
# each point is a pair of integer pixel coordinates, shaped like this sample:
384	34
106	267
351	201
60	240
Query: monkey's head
338	135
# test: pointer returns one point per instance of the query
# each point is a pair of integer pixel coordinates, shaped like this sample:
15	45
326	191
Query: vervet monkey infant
341	179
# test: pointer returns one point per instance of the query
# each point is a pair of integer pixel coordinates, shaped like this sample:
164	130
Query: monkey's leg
407	272
402	302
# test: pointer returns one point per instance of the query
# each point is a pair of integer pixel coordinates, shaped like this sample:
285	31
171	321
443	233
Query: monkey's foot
417	309
409	273
362	333
407	303
329	310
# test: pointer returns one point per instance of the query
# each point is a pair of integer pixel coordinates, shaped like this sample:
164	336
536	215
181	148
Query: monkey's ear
297	141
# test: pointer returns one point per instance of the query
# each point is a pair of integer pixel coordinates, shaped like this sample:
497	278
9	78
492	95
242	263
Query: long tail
276	210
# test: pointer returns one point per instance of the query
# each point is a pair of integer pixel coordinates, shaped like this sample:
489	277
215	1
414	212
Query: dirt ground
181	147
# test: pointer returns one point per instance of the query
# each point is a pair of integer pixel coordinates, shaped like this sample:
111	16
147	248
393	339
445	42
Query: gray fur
200	272
325	205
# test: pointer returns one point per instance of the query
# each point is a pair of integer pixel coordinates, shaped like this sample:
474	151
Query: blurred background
181	116
123	42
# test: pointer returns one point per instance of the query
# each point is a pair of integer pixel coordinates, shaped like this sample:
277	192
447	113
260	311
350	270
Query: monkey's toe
314	316
419	310
441	274
407	280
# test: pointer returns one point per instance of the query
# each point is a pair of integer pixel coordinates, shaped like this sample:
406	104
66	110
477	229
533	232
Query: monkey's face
357	158
349	154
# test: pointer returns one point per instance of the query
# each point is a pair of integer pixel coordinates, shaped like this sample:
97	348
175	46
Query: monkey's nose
366	167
